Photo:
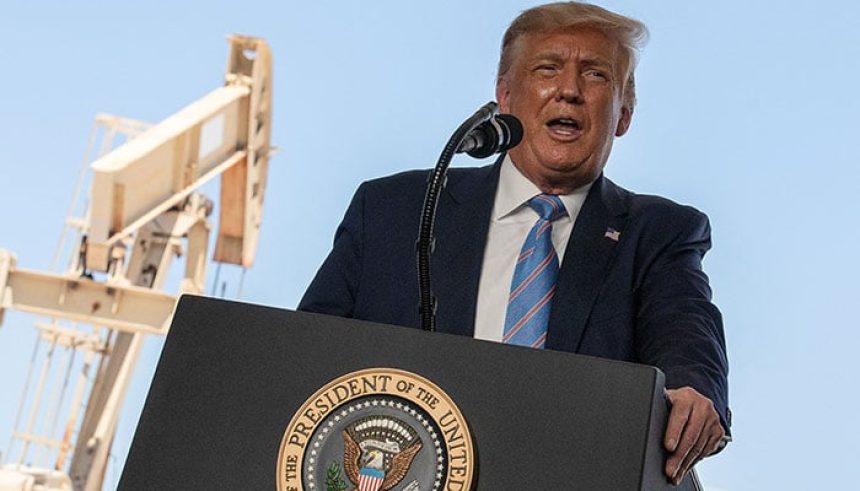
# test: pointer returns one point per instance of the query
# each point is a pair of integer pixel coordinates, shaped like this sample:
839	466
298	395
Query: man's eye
598	74
547	69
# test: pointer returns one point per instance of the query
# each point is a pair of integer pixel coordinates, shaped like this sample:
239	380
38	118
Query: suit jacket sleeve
334	288
678	328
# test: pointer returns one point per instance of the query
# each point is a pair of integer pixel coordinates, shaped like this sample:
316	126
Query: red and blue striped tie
534	281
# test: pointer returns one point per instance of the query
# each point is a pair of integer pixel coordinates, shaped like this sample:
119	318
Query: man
542	250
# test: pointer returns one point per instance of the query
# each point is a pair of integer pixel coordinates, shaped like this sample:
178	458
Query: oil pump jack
145	207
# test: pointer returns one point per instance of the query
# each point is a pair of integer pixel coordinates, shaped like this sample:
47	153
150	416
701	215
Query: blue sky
747	110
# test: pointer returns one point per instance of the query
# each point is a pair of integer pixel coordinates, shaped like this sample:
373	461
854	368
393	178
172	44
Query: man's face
566	88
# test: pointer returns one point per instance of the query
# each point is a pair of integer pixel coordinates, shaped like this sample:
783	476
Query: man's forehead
583	42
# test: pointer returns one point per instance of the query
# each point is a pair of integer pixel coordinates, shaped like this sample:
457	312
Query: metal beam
169	158
125	308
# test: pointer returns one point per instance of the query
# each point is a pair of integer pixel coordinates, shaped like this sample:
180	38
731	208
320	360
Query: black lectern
235	383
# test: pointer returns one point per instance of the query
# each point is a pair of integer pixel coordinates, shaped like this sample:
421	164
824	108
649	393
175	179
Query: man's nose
569	88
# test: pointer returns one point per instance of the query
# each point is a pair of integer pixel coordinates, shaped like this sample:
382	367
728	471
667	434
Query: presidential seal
377	429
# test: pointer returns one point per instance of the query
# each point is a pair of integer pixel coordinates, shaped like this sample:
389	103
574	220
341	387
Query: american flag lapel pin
612	234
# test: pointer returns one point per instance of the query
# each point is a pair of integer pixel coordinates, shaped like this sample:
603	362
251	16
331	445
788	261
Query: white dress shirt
510	223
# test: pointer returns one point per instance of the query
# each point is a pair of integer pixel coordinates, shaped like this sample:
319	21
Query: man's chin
571	175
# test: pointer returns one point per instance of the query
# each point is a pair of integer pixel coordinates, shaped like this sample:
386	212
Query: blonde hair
629	33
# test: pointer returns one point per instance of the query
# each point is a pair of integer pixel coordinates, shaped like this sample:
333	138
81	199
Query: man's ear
503	93
623	121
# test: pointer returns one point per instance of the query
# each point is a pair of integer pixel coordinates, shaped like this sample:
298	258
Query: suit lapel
586	259
462	222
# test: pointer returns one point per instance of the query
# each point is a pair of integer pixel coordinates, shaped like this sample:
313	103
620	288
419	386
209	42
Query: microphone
497	134
482	135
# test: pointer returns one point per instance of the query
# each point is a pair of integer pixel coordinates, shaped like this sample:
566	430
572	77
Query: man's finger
680	413
695	454
708	444
717	435
690	436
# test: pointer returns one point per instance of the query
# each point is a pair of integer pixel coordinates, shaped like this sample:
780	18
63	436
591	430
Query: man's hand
694	431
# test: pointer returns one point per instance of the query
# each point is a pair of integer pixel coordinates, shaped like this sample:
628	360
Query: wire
241	284
24	393
215	281
91	143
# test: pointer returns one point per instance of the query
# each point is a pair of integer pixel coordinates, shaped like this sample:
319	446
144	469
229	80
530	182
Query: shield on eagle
370	479
378	451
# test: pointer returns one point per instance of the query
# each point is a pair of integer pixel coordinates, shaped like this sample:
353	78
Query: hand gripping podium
255	398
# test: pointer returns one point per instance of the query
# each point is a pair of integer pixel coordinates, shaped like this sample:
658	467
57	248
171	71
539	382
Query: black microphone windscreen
514	127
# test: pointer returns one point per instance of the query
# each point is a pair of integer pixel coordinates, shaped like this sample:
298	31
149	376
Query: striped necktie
534	281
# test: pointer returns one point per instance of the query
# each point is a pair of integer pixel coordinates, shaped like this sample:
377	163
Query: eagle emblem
378	451
377	429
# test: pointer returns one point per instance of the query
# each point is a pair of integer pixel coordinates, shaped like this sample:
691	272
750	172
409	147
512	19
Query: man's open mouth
565	127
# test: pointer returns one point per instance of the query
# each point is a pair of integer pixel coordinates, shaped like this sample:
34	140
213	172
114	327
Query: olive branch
333	479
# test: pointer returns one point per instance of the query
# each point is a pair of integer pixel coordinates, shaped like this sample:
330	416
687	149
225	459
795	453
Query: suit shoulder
660	215
411	182
650	205
403	191
401	180
420	175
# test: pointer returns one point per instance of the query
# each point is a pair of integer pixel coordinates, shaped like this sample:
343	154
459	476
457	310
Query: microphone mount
435	182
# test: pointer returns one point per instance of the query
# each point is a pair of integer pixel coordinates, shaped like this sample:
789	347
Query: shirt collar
515	190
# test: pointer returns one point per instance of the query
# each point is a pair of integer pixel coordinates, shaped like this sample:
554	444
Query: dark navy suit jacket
643	298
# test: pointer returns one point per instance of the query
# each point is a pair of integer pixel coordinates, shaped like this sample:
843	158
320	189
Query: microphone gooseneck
497	133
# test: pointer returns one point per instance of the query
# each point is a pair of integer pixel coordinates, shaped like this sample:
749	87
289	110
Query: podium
235	382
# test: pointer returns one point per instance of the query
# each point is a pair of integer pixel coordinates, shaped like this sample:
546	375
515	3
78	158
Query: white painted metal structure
144	209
